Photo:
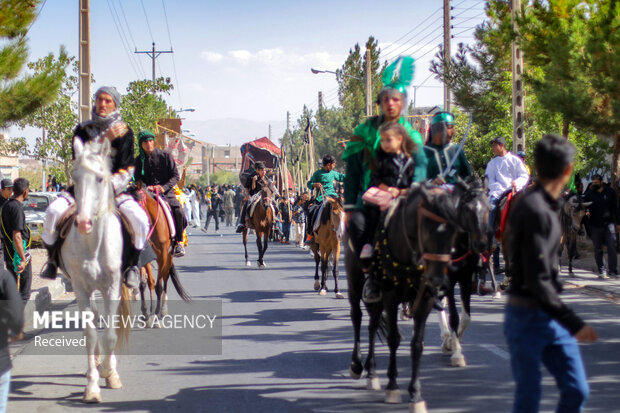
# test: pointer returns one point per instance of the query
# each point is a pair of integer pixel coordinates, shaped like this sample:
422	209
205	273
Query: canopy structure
264	150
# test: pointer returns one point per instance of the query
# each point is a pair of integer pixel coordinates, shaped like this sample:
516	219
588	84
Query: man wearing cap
106	123
254	185
7	190
440	152
156	169
504	172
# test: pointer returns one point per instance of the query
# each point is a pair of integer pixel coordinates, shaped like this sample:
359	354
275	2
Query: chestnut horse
326	243
159	238
262	222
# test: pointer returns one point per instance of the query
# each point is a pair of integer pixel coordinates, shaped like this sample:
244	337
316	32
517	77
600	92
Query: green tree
20	97
140	108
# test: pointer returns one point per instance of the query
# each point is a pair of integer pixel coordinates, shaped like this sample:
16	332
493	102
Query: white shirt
502	171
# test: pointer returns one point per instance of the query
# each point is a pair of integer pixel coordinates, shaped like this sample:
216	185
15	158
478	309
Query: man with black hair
7	190
254	184
16	238
538	326
323	182
603	223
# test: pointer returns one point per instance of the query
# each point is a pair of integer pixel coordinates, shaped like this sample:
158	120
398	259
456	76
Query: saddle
504	215
252	206
68	219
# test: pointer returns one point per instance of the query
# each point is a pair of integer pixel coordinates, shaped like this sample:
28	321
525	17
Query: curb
44	297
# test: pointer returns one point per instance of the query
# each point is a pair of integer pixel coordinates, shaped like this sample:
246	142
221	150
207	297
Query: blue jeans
533	337
286	230
5	381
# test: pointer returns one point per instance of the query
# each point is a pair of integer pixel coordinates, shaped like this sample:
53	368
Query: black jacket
392	170
11	316
604	208
159	169
534	244
216	204
122	147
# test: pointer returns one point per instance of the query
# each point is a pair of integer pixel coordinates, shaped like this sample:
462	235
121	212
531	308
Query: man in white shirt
504	172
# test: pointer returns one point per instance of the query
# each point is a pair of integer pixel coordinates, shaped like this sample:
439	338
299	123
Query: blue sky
247	59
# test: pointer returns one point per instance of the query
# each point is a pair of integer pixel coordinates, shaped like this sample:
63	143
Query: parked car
34	209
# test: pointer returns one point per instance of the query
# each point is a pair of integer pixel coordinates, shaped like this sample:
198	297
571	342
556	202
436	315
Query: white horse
91	257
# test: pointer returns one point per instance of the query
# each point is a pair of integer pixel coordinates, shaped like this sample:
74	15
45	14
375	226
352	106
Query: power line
409	32
116	18
395	52
174	66
37	16
123	41
120	3
147	20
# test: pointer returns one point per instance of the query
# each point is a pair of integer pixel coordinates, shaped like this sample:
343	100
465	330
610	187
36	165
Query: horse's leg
92	393
356	369
392	392
143	285
265	245
444	329
259	246
107	370
374	311
245	247
417	404
317	259
151	286
457	359
465	287
324	252
336	254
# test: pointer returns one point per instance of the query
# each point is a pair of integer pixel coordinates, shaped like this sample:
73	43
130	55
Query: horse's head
266	197
575	208
336	217
473	207
91	176
436	229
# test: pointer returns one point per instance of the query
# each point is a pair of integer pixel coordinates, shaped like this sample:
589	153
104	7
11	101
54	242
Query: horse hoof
150	323
339	295
113	382
261	266
323	291
497	295
373	383
248	264
458	361
317	285
92	397
446	347
419	407
393	397
354	375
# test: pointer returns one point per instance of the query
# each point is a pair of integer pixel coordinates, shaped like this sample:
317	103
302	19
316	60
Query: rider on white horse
106	123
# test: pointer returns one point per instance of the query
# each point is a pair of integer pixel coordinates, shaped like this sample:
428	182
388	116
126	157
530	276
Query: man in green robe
361	150
440	151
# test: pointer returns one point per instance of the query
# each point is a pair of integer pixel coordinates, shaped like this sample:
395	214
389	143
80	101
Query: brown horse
326	243
262	222
159	238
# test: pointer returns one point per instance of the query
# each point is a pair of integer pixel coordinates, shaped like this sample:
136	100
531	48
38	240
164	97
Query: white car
34	209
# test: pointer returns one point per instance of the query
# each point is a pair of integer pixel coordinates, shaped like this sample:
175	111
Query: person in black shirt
603	224
157	170
16	238
7	191
285	215
254	185
538	326
213	210
11	321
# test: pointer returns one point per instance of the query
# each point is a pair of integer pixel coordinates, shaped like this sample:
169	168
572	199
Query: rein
428	256
143	202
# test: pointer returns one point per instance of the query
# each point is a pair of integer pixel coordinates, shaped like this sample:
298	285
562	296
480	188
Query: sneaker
371	292
613	275
603	276
203	230
179	251
367	251
217	231
131	277
239	229
50	271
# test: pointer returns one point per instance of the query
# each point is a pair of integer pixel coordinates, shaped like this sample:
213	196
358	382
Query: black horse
470	244
412	254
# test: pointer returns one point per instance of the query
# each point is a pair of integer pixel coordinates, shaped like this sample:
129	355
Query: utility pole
368	85
270	131
153	54
446	51
518	94
320	100
288	121
84	65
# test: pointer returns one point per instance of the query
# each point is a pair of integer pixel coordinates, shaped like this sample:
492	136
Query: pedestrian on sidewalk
11	324
603	224
285	215
5	194
229	205
16	238
538	326
299	217
213	210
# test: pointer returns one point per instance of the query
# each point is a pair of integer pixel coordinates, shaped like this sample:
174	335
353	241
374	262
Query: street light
317	71
368	82
186	110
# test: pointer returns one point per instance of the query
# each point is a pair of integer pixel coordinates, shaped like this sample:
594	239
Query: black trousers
605	236
213	214
25	279
178	215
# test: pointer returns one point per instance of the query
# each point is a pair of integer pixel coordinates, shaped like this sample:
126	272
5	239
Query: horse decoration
326	243
160	240
91	259
473	214
572	213
411	256
262	217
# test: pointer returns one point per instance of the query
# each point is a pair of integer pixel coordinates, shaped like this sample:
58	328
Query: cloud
241	56
211	57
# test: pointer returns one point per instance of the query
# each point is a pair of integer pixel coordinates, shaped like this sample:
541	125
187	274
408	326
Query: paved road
286	349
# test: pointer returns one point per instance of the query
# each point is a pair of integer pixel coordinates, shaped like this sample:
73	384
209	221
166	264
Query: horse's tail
124	312
174	276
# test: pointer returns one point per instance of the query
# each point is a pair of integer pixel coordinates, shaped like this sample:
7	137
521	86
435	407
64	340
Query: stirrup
131	277
50	271
178	251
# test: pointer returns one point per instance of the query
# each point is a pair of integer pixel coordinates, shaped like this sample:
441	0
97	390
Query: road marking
496	350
